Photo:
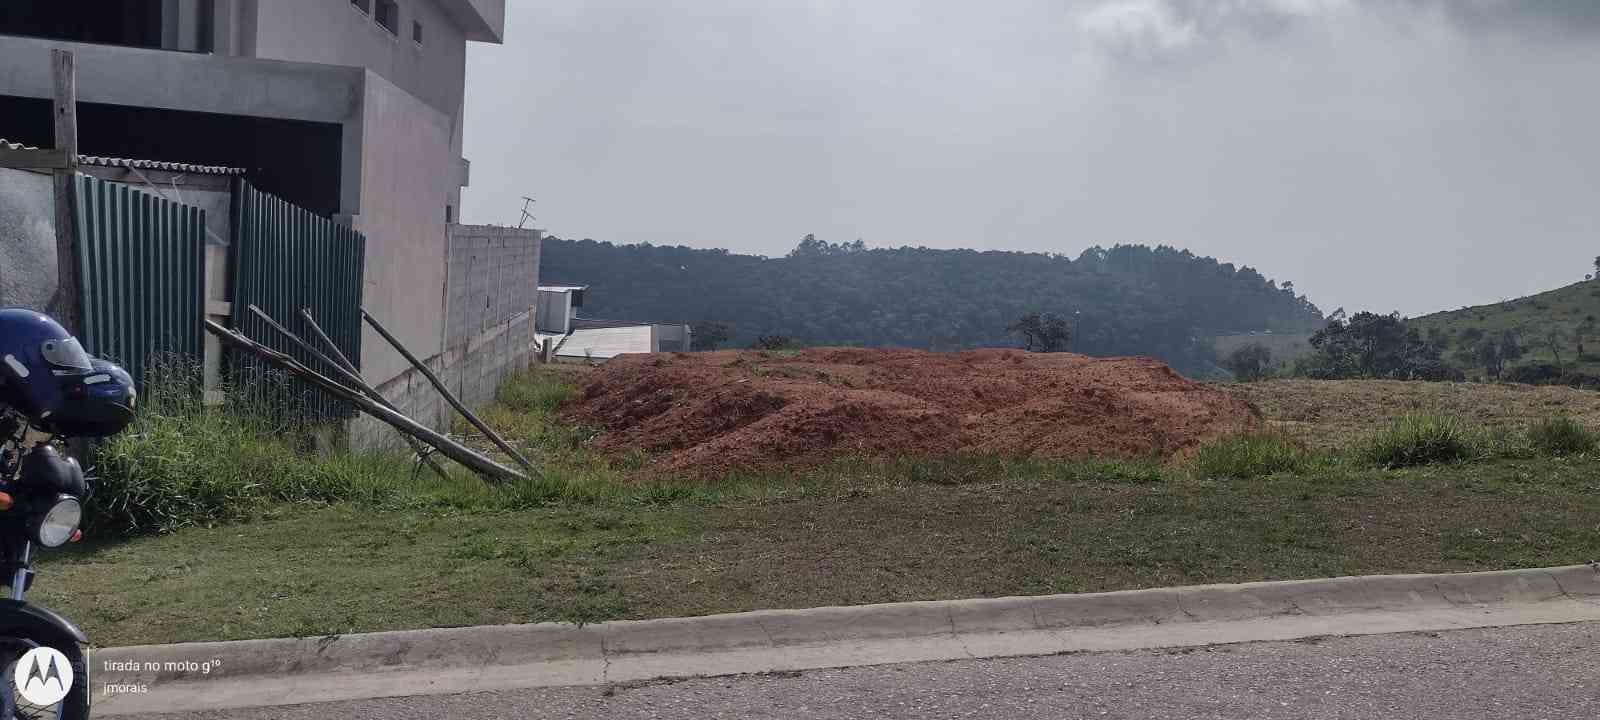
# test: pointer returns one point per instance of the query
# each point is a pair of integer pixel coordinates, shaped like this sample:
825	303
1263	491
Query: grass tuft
1250	455
1560	436
1421	438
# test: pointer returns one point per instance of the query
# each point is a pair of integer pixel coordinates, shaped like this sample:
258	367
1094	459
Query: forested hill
1133	299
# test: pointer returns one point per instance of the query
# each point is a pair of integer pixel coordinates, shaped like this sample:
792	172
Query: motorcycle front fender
46	616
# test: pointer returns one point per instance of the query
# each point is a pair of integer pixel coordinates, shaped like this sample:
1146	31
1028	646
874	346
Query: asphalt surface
1543	671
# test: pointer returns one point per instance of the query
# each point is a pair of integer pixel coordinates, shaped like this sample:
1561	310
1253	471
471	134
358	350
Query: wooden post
64	304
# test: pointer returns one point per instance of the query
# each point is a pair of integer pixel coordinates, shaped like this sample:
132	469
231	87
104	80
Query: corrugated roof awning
136	164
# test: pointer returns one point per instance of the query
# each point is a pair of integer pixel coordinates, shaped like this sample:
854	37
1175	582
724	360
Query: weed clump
1250	455
1560	436
1421	439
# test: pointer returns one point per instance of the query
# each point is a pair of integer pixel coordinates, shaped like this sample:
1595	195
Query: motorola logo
43	676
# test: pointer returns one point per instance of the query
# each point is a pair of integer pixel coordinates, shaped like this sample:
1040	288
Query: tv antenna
527	204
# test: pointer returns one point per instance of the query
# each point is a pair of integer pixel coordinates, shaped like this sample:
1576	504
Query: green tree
1249	362
1042	332
1491	351
1586	329
708	335
1554	339
1369	345
774	342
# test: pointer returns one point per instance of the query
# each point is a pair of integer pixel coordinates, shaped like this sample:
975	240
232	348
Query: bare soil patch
707	413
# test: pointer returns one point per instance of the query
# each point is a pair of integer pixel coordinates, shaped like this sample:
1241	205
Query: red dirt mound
706	413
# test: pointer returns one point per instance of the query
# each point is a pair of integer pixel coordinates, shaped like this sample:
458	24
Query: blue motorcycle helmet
45	374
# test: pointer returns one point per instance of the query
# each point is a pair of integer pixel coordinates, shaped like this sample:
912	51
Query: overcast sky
1409	155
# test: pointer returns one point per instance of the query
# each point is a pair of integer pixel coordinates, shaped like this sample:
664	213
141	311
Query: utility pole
64	304
527	204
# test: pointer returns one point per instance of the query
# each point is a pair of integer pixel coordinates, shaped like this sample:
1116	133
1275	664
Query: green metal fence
140	274
286	258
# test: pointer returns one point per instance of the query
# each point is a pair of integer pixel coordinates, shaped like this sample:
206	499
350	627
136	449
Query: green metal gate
286	258
140	269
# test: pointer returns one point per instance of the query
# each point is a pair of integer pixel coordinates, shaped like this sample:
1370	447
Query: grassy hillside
1532	317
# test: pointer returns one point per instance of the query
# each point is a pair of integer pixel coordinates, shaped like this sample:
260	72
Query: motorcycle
36	516
50	392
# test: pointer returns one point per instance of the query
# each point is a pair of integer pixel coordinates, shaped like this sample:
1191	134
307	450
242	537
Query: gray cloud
1410	155
1154	30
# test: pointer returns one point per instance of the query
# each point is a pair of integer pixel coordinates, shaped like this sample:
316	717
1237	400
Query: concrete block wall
489	331
493	276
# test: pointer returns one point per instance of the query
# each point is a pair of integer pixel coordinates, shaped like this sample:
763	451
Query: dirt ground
707	413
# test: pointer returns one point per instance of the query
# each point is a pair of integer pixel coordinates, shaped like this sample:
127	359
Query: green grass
1422	439
183	464
587	544
1251	455
839	535
1561	435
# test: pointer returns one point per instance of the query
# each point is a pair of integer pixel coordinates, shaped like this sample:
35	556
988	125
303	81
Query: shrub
1420	439
1249	362
1561	435
1250	455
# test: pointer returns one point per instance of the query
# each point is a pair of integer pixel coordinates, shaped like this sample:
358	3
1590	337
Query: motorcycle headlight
57	525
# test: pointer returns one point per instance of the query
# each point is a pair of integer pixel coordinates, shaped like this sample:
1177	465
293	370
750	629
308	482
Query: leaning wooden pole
451	449
493	436
355	379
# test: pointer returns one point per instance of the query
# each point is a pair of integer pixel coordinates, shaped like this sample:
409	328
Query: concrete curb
192	676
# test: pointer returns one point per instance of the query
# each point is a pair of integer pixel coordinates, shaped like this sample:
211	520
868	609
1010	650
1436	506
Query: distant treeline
1126	300
1389	347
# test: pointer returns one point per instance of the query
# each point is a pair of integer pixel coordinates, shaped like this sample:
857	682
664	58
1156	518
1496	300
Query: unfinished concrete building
349	108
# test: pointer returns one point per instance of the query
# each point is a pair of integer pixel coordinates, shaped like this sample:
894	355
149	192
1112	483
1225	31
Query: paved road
1545	671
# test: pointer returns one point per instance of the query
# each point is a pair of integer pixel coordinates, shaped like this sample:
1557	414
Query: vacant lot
849	531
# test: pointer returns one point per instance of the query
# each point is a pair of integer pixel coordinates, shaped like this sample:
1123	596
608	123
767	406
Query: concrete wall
186	81
335	32
402	215
27	239
493	277
206	83
490	327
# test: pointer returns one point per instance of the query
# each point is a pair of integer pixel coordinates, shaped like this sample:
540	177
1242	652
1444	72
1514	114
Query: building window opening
364	6
136	23
416	32
388	15
449	214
